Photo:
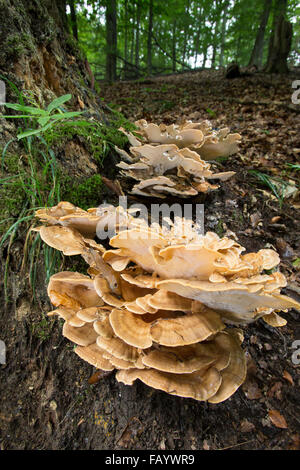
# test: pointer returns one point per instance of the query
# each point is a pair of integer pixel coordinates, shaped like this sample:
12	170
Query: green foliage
34	179
186	34
277	185
38	120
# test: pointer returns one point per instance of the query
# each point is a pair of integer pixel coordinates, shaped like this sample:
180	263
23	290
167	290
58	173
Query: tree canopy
134	38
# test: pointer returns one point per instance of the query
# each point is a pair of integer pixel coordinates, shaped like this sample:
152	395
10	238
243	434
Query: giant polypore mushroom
158	306
198	136
166	169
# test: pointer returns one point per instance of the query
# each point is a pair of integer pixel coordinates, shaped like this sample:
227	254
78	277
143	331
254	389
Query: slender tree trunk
257	52
73	19
197	41
125	66
280	40
149	41
213	60
132	36
186	29
137	33
204	58
111	40
174	46
223	33
126	31
238	46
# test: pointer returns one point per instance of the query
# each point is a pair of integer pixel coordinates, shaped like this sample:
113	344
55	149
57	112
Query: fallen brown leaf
247	426
277	419
275	391
97	376
251	390
286	375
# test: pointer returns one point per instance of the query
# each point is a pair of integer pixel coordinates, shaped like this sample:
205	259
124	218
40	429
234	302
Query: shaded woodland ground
47	401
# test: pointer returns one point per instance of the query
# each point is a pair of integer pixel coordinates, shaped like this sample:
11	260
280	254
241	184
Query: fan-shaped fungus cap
164	169
181	360
94	356
235	373
73	290
235	301
83	335
198	385
64	239
186	329
199	137
68	215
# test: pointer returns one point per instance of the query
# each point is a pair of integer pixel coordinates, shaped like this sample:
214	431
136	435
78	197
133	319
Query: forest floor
47	401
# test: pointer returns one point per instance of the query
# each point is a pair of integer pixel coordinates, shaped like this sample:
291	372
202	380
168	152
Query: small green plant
40	120
296	263
277	186
42	329
211	112
293	166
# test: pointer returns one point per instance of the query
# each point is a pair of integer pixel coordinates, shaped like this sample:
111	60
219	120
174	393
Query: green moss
98	138
85	195
18	44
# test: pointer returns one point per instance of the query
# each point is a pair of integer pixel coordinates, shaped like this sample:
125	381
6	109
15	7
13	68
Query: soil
47	399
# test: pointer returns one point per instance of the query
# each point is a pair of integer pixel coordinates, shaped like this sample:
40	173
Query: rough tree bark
38	52
257	52
280	40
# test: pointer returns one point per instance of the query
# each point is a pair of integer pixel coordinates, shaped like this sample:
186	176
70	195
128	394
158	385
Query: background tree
280	39
163	37
111	40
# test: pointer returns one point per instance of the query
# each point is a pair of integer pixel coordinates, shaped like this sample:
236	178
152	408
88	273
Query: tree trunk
174	47
204	58
137	33
126	31
73	19
280	40
257	52
223	33
149	41
197	41
186	29
36	49
213	60
111	40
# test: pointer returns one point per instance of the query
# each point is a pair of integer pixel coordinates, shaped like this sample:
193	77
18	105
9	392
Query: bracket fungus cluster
163	305
171	160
